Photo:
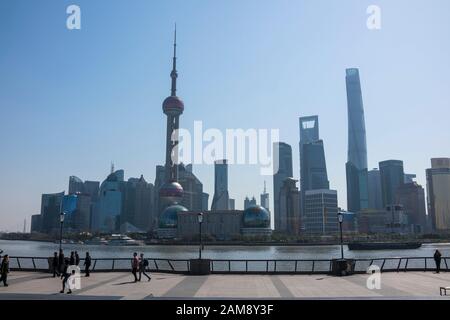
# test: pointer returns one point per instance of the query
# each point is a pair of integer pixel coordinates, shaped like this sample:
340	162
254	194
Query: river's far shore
247	243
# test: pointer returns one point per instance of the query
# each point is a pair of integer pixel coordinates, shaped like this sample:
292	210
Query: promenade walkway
410	285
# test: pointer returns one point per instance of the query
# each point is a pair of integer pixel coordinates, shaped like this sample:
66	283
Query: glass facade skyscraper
356	167
283	165
392	177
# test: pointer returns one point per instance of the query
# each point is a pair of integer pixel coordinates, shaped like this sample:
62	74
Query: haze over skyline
73	101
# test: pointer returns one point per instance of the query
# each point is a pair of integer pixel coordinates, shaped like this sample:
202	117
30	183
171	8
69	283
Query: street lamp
61	220
200	221
341	219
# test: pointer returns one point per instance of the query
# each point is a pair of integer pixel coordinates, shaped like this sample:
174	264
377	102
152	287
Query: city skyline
41	159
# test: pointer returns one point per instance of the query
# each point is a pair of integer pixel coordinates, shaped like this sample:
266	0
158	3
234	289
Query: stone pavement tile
312	286
238	286
386	290
187	288
125	286
415	283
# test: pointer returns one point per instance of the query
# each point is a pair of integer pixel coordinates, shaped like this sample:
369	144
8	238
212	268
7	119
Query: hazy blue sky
73	101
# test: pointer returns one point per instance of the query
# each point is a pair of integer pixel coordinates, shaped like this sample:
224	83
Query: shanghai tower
356	167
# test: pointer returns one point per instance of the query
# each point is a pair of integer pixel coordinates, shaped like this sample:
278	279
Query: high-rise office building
321	208
374	187
409	177
289	208
283	170
356	167
411	196
205	200
51	209
249	203
438	193
231	204
392	177
138	204
221	196
313	169
265	198
108	208
192	188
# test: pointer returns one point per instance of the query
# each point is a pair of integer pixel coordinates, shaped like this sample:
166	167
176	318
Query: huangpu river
46	249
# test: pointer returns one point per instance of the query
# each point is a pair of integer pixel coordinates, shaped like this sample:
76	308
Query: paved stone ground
411	285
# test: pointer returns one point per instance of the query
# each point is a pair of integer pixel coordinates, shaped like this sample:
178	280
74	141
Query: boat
96	241
384	245
122	240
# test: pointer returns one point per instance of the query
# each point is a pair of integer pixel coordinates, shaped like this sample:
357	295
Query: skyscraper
265	198
51	208
374	188
289	208
321	208
392	177
108	209
412	197
221	196
249	203
356	167
313	169
138	204
438	193
283	167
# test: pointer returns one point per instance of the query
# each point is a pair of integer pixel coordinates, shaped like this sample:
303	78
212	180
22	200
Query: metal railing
241	266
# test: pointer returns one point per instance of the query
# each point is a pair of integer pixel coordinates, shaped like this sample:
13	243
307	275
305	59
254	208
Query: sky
72	101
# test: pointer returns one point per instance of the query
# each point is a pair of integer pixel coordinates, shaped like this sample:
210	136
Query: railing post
313	266
18	263
399	263
406	265
34	264
156	265
113	264
95	263
426	267
229	266
170	264
267	265
296	262
382	266
246	265
275	267
446	265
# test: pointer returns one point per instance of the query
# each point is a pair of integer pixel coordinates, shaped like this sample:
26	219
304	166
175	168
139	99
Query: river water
45	249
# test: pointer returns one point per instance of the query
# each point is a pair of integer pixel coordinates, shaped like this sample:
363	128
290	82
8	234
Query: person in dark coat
65	276
55	265
72	258
143	264
87	264
4	270
77	258
61	260
437	259
135	266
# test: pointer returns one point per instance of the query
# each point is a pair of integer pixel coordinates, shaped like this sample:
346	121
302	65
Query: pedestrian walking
55	264
87	264
437	259
72	258
143	264
135	266
65	276
77	258
4	270
61	260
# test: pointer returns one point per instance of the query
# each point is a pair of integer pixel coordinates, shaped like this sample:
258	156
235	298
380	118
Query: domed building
168	221
256	221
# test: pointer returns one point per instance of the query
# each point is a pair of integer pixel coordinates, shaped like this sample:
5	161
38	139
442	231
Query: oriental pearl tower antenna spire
174	73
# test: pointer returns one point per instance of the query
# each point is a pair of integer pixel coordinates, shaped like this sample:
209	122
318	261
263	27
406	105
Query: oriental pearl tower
171	192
